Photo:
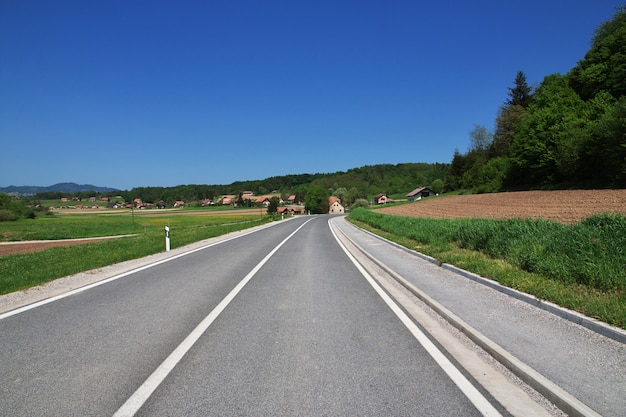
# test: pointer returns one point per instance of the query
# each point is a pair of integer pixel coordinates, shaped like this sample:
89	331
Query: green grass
26	270
581	267
68	227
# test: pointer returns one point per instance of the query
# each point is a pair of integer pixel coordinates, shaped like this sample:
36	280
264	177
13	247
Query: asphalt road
302	333
279	321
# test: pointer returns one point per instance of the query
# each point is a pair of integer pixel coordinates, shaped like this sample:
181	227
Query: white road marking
141	395
479	401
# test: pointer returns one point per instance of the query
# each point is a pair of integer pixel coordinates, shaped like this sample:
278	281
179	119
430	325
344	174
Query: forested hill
568	133
63	187
369	179
361	182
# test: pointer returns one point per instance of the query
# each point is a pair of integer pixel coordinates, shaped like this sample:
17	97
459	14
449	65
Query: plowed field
567	206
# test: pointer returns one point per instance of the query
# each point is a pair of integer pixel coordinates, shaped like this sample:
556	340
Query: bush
17	209
7	215
360	202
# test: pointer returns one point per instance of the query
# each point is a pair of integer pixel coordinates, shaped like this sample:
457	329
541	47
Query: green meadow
144	235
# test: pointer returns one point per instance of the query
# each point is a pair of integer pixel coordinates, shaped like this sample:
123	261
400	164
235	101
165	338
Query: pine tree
521	94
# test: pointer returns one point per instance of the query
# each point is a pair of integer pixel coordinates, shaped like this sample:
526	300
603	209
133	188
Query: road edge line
554	393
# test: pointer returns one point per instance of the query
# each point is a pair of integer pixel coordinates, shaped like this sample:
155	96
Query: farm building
420	193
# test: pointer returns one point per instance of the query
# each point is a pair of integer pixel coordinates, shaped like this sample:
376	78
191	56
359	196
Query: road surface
279	321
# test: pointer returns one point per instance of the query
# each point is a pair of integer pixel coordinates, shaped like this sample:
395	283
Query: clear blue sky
130	93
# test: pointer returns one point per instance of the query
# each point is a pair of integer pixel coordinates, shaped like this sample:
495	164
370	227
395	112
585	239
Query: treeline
361	182
568	133
387	178
356	183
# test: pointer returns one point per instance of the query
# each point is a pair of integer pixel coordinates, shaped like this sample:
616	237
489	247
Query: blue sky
131	93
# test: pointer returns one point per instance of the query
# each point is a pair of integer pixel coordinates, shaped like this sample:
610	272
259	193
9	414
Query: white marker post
167	238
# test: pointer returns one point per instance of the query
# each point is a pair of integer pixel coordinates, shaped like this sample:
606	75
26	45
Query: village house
334	206
381	199
227	200
265	200
420	193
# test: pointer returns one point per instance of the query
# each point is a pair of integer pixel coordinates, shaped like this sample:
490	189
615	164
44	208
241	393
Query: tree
604	66
545	151
480	139
272	207
360	202
511	114
507	123
316	200
437	186
457	167
353	195
343	195
476	158
240	202
521	93
492	175
12	210
604	154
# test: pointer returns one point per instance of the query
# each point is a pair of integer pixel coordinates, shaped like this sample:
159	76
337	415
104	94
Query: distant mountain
62	187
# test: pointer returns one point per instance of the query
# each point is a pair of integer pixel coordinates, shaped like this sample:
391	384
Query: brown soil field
566	206
14	248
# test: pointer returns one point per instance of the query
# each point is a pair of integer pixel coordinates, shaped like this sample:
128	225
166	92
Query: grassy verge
580	267
26	270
